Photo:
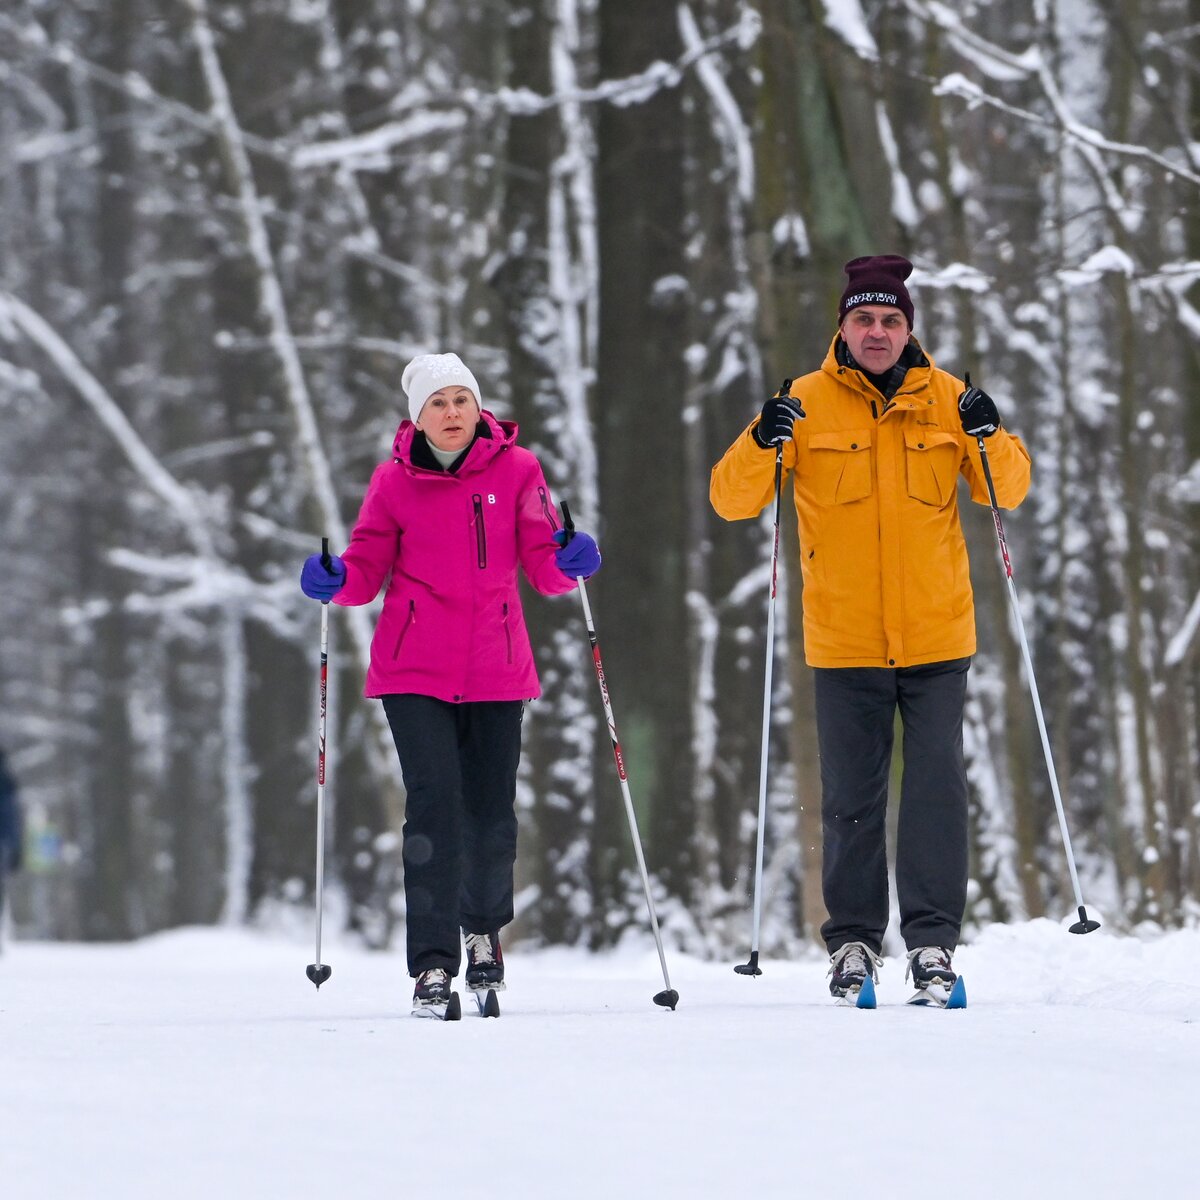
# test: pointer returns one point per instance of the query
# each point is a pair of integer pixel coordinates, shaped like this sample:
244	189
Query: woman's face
448	418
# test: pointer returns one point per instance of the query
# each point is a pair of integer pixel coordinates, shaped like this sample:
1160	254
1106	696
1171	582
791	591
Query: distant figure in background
448	524
11	838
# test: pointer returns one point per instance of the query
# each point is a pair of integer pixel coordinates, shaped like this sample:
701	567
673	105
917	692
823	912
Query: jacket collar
492	437
911	373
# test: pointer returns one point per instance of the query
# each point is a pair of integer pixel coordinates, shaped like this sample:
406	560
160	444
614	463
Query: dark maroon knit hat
877	279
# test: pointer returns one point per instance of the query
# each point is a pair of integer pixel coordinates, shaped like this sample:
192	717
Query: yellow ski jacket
886	577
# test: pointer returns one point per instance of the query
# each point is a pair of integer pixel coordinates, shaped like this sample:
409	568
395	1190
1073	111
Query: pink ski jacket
447	546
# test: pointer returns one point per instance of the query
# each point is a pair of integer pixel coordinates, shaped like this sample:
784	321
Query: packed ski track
203	1063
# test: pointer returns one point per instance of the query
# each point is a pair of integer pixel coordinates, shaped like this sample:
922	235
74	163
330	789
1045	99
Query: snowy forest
226	226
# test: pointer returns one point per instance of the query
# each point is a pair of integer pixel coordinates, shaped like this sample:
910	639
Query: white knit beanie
429	373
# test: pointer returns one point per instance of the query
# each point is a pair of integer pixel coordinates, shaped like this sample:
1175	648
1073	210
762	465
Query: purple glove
320	582
579	556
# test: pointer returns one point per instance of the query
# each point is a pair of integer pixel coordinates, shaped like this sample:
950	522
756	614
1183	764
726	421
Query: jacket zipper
547	511
412	620
507	632
480	535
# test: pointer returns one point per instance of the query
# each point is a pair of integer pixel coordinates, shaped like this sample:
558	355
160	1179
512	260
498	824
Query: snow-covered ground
202	1063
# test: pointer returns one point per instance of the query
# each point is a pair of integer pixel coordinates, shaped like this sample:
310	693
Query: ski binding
937	995
863	998
451	1010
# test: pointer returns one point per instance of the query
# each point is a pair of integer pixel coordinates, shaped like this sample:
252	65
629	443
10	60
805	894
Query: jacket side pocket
408	624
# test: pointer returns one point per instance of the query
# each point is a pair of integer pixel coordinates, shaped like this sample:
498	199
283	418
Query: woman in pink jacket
444	527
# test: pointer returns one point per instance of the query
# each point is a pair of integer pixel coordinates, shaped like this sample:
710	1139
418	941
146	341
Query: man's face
876	335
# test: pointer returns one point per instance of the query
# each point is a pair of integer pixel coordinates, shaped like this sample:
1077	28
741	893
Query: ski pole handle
326	561
568	521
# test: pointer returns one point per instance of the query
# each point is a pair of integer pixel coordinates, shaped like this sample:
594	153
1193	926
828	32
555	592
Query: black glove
978	413
779	414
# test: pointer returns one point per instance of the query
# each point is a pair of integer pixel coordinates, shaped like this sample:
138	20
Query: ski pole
318	972
1083	925
667	998
751	967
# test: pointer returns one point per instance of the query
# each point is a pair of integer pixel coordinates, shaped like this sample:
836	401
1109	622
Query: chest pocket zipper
507	632
412	620
480	532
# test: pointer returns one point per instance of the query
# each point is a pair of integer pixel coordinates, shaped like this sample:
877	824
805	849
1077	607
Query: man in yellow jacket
889	617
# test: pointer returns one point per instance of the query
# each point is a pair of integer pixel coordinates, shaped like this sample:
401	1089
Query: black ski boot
485	962
434	996
930	965
849	967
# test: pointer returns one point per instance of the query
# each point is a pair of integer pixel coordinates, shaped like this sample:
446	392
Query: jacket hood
500	435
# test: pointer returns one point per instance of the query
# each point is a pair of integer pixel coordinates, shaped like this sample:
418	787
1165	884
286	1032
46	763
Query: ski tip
318	973
453	1009
866	994
667	999
958	994
487	1003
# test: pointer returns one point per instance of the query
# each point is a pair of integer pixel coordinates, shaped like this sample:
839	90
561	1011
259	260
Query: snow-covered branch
367	149
216	579
130	84
1181	643
271	299
737	135
186	505
439	115
992	60
1073	130
186	583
